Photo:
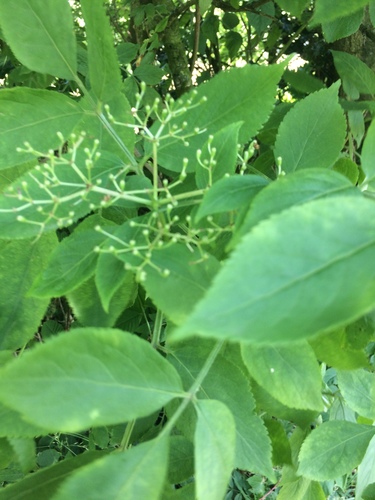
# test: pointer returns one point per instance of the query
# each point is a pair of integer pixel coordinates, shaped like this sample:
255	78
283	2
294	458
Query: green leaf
44	483
149	74
86	305
293	380
333	449
230	20
302	187
41	35
302	81
224	143
230	193
215	438
326	11
302	138
355	73
358	389
366	473
233	42
281	452
34	116
253	84
13	425
347	168
111	376
367	157
334	349
126	52
72	262
181	460
342	27
266	403
227	383
110	275
25	451
73	189
6	455
104	71
135	473
288	267
20	263
302	489
176	277
295	7
261	21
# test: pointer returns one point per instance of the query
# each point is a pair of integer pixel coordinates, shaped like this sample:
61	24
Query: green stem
127	435
157	329
193	389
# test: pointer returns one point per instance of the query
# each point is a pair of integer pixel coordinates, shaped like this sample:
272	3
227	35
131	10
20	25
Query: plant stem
127	435
193	389
157	329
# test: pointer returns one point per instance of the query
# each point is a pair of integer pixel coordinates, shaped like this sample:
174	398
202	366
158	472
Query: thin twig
196	35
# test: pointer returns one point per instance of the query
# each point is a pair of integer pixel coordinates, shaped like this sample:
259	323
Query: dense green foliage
187	250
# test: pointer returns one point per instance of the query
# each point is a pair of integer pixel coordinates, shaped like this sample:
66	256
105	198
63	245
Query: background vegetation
187	249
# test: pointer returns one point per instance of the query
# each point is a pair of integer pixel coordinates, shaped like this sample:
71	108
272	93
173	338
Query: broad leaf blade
293	380
358	389
111	376
289	190
354	72
367	157
227	383
34	116
288	267
342	26
44	483
253	84
214	449
41	35
302	138
333	449
295	7
366	471
20	263
104	70
136	473
326	10
230	193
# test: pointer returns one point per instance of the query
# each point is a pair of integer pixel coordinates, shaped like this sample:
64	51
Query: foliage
187	308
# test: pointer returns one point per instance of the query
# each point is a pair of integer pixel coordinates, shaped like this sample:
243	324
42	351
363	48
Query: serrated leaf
20	263
72	262
303	81
34	116
358	389
287	267
227	383
181	460
295	7
355	73
293	380
63	198
45	482
281	452
326	11
302	187
25	452
110	375
104	70
225	143
110	275
347	168
342	26
366	473
253	84
302	489
367	157
122	475
214	441
333	449
149	74
302	138
230	193
175	279
41	35
261	21
86	305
